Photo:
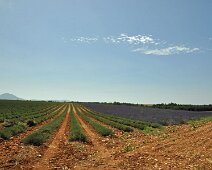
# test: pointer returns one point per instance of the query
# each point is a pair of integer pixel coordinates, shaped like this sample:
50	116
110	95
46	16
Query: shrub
102	130
76	131
45	132
8	132
31	123
128	122
110	122
36	139
16	122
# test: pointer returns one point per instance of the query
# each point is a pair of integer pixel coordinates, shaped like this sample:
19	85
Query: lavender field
164	116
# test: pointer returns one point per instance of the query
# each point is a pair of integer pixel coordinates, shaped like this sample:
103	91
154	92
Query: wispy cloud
122	38
110	39
81	39
64	39
84	39
166	51
133	40
145	44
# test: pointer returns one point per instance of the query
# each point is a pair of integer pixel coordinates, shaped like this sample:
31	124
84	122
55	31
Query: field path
104	157
54	146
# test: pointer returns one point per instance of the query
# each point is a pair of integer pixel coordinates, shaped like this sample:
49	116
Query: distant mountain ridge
8	96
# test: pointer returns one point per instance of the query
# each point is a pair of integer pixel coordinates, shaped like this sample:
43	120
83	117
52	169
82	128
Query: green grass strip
199	122
46	132
47	116
102	130
20	127
8	132
76	131
111	123
129	122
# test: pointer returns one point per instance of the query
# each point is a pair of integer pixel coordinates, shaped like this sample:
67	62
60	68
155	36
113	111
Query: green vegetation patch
15	110
176	106
76	131
44	133
199	122
8	132
128	148
102	130
15	127
110	122
142	125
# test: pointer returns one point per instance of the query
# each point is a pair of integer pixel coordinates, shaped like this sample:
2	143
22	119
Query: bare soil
54	146
103	157
181	148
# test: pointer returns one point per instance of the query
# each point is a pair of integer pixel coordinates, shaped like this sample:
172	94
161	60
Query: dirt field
176	147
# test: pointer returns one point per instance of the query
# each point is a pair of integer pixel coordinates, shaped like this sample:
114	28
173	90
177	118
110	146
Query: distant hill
8	96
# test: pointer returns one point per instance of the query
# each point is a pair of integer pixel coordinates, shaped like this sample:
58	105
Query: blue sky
140	51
